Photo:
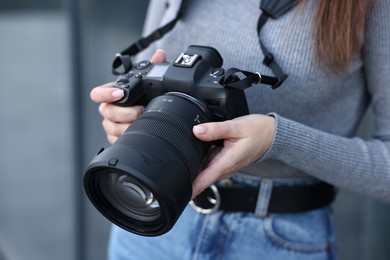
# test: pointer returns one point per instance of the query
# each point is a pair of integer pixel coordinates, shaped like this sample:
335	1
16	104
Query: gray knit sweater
317	110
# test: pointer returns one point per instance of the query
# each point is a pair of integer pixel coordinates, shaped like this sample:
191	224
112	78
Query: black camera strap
273	9
123	58
270	9
232	79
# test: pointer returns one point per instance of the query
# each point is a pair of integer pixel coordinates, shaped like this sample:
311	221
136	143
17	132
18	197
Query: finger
120	114
114	129
218	168
158	57
106	93
202	181
112	139
215	131
213	151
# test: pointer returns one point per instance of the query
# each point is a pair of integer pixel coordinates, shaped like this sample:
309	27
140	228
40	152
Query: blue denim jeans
222	235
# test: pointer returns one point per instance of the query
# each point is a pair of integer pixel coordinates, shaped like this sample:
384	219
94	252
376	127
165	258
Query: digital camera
143	182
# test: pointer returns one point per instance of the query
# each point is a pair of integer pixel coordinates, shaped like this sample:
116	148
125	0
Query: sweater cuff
287	139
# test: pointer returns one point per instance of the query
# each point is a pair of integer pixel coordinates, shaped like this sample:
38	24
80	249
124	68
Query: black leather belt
285	199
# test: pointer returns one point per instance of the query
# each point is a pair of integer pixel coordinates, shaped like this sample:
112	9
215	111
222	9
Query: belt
284	199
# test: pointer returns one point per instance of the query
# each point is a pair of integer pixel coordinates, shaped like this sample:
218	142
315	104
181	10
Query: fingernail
199	129
160	51
119	93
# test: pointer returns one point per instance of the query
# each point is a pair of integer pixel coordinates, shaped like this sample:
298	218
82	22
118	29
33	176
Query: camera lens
130	197
143	182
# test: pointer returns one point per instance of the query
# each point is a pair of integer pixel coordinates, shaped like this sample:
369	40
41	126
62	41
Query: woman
337	59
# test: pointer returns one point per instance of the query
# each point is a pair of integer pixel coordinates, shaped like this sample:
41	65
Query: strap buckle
209	201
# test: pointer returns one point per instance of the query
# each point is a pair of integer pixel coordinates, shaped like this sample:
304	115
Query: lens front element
130	197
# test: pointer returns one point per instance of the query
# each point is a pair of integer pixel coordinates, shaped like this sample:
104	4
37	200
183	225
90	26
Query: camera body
196	72
143	182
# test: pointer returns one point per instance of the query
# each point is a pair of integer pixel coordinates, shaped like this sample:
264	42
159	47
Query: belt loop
263	198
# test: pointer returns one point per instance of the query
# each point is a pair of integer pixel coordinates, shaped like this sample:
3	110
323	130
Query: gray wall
49	130
40	177
35	155
106	27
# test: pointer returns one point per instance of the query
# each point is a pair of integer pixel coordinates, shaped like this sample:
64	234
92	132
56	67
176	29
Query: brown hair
339	26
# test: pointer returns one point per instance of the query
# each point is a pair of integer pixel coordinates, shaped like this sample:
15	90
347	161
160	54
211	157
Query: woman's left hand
246	139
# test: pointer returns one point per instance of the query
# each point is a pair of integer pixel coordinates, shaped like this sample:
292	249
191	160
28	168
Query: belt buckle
215	202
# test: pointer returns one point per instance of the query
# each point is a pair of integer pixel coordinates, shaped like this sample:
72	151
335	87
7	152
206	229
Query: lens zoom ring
173	130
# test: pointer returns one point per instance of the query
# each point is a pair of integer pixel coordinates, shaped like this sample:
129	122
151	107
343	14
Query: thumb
158	57
213	131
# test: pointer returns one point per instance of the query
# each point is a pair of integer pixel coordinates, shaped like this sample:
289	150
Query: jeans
223	235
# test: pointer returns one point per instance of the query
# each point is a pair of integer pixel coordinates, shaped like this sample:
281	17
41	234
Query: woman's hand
246	139
117	119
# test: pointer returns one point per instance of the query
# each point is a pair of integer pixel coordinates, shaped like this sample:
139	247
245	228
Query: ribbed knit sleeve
354	164
349	163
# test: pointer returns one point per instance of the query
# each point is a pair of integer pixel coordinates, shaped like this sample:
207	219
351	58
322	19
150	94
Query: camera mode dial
131	84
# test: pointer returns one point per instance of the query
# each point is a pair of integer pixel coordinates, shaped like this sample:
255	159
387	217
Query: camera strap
232	79
273	9
270	9
123	58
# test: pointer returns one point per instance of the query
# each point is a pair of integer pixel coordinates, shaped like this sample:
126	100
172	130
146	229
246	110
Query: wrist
270	129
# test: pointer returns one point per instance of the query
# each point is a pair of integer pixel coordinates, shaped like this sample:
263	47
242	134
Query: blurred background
52	53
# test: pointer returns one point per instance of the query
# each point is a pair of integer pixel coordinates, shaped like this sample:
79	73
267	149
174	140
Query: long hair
340	26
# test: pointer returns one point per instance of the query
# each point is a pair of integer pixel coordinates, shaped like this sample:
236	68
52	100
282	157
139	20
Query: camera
143	182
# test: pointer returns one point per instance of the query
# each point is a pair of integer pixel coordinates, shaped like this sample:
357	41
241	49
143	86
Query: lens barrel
143	182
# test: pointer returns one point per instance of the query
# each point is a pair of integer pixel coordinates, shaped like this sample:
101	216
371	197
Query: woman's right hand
117	119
